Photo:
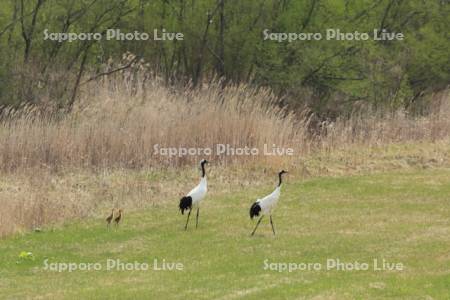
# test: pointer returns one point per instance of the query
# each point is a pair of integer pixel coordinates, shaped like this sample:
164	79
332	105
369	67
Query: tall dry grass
116	122
114	125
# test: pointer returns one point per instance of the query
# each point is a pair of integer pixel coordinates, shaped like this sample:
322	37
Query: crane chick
118	218
109	218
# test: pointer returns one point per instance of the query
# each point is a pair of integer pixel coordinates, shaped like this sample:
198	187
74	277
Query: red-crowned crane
109	218
118	218
266	205
194	197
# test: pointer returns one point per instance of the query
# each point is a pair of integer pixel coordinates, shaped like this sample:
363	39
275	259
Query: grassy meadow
373	186
111	105
103	154
399	216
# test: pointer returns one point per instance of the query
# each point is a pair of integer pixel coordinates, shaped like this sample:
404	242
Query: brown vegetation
56	167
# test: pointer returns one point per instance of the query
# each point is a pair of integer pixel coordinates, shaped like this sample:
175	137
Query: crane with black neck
195	196
266	205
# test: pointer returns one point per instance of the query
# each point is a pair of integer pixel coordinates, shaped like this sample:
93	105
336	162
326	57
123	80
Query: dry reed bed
111	128
78	164
116	126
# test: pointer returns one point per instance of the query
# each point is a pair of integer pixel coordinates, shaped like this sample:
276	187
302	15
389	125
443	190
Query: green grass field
400	217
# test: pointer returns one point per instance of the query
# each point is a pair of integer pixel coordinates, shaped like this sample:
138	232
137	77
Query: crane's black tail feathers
185	204
255	210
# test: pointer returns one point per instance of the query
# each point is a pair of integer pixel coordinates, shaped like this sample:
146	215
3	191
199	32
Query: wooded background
223	40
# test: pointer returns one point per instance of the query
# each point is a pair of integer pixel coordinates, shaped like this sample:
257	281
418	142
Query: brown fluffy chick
109	218
118	217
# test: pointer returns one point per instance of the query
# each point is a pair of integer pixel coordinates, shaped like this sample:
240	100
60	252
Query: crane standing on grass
118	218
194	197
109	218
266	205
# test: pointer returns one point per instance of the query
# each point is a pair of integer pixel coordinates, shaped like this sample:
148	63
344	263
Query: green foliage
328	76
25	256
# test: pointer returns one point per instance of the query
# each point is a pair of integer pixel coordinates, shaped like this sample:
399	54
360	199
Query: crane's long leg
259	221
271	223
187	221
196	219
